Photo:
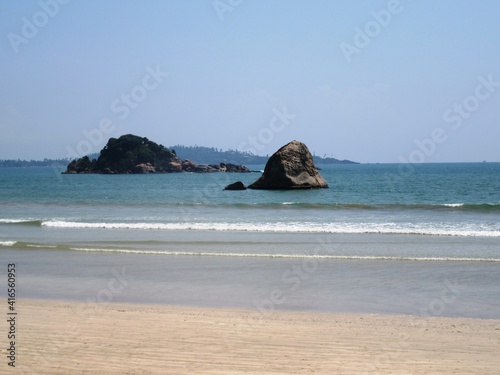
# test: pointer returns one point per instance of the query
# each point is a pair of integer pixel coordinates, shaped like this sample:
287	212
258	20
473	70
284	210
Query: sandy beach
71	337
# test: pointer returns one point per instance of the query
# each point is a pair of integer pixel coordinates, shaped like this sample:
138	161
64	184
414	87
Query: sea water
384	238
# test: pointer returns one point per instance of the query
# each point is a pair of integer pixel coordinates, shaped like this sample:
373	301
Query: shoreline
57	336
339	286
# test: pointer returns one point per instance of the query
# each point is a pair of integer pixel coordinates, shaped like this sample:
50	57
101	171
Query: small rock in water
236	186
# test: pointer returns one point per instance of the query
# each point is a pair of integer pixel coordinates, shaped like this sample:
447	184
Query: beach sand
71	337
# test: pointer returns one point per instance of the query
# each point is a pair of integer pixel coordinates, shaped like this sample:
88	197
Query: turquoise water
365	184
384	238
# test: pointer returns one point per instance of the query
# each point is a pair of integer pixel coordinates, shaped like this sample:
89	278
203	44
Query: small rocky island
131	154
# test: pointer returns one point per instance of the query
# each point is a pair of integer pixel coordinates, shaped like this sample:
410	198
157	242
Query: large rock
291	167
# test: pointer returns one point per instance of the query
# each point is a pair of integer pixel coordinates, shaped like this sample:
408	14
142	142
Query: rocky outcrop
144	168
238	185
233	168
174	166
188	166
291	167
82	165
133	154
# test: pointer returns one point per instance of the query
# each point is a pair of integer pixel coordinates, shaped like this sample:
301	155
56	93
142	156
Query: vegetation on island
33	163
133	154
125	153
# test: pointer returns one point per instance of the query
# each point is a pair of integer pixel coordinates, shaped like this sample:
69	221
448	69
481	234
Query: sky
370	81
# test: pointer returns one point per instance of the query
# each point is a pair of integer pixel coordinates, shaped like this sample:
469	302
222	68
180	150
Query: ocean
384	238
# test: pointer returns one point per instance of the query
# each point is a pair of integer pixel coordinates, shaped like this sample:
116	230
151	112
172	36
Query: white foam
42	246
7	243
453	204
293	227
288	256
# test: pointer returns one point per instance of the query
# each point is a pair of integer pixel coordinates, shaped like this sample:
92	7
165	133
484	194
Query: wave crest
296	227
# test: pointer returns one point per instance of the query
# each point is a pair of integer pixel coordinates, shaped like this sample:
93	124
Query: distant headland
212	155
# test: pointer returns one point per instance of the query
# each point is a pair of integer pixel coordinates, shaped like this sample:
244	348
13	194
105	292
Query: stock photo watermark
471	103
113	287
454	116
277	124
121	106
292	279
31	26
11	314
363	36
221	7
449	293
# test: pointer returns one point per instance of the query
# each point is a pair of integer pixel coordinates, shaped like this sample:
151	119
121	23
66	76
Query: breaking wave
292	227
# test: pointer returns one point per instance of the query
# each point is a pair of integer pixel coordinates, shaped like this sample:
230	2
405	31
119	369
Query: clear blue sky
361	80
